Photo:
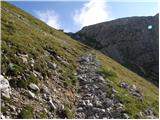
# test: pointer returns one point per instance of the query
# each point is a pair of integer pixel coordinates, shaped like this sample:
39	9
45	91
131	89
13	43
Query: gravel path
96	95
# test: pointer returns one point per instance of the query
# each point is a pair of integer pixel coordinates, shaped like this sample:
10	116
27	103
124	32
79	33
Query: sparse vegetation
31	36
22	83
43	115
27	112
68	113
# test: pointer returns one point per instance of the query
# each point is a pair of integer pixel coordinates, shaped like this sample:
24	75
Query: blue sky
73	15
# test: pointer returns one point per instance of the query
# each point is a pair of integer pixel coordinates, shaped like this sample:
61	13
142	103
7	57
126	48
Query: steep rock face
132	41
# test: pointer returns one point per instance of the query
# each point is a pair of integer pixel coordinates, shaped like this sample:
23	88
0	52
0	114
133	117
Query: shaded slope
34	53
132	41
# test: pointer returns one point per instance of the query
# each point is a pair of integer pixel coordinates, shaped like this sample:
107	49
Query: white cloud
50	17
92	12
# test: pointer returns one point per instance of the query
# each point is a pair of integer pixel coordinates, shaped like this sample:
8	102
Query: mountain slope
41	74
131	41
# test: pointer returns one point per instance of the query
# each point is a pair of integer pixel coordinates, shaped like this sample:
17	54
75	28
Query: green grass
117	73
27	112
33	36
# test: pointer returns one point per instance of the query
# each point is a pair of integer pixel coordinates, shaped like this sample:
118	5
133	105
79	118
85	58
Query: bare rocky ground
97	97
94	100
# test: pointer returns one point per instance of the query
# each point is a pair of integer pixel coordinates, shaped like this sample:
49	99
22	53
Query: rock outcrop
132	41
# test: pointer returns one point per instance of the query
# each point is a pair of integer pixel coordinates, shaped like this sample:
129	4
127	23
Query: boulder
5	87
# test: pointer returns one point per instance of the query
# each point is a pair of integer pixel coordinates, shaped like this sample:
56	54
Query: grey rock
103	110
114	91
124	85
52	105
34	87
109	109
134	87
31	94
98	103
89	104
126	116
46	111
119	109
24	57
5	87
2	116
80	109
119	105
37	74
24	60
150	117
101	78
32	62
52	65
108	102
135	94
13	108
148	111
45	89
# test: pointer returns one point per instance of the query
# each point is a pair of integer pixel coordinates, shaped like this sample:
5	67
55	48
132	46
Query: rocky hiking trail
96	99
96	96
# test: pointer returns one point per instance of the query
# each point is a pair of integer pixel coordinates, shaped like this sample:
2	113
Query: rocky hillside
47	74
132	41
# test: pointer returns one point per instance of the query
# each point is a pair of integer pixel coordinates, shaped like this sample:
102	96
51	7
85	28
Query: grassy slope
29	35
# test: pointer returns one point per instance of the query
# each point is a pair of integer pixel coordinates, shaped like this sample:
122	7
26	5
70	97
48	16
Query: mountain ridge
129	41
